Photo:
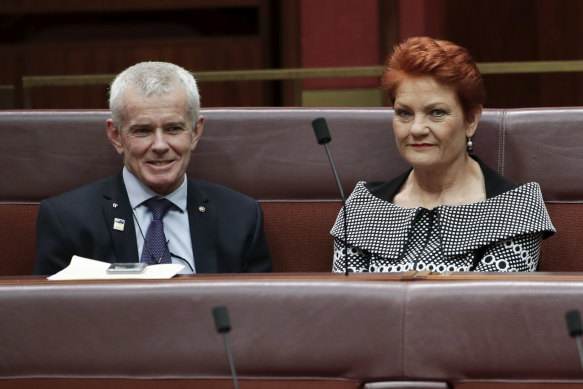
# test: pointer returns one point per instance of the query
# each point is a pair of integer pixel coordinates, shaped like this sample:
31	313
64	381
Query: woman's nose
419	126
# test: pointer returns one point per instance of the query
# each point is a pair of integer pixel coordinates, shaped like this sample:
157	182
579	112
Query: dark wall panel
522	30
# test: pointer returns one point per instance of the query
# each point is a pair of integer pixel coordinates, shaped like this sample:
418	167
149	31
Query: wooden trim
29	82
293	74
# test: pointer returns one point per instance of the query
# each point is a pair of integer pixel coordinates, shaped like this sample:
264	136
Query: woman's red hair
445	61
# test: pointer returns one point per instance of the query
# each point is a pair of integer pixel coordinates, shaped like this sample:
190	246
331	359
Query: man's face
157	138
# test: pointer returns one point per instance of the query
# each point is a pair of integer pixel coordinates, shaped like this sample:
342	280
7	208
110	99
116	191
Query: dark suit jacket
227	234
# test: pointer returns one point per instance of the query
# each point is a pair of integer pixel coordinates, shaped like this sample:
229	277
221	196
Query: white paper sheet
88	269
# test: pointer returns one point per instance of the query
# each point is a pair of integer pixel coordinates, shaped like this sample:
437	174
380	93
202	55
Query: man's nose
159	140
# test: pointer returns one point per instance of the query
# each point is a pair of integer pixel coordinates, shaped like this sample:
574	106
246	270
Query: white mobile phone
129	267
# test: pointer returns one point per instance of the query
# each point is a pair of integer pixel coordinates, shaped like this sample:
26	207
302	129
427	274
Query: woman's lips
421	145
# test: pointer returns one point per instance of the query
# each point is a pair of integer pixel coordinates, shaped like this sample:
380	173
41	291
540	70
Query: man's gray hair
152	78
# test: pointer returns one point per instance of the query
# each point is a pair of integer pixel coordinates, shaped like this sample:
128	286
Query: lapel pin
115	205
201	209
119	224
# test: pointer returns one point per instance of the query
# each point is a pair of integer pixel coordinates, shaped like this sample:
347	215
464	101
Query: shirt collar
138	192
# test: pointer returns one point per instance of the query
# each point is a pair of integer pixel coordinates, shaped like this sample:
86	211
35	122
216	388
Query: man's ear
472	120
114	136
197	132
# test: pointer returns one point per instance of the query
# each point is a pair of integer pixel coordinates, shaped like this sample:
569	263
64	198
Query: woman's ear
472	119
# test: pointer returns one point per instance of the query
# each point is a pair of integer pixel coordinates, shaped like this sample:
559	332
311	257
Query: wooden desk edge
410	276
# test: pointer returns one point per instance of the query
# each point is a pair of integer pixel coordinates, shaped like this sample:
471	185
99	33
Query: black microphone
573	320
223	325
323	136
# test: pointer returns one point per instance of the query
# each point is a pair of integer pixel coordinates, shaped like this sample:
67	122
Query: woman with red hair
450	211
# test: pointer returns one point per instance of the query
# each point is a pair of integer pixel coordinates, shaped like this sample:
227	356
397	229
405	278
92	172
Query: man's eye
140	131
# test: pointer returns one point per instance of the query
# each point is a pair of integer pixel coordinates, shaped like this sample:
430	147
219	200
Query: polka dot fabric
155	249
502	233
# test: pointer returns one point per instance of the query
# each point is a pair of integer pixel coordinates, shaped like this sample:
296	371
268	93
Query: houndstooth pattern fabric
502	233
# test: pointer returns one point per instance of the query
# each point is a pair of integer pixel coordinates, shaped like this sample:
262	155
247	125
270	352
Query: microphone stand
323	136
231	363
223	326
345	217
573	319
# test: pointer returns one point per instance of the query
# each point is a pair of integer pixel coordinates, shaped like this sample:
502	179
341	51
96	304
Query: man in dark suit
155	126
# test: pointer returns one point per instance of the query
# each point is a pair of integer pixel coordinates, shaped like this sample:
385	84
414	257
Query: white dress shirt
176	223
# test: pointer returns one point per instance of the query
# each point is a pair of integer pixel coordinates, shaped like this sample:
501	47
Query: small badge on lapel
119	224
114	205
201	209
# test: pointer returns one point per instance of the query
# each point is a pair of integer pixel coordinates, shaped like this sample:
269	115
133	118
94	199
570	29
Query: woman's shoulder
495	183
385	190
527	197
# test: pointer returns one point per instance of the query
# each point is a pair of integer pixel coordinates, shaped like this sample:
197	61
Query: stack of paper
88	269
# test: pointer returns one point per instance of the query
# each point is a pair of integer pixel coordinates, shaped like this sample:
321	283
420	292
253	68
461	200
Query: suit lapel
117	211
202	217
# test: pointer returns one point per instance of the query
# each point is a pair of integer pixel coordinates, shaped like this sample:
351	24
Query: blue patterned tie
155	248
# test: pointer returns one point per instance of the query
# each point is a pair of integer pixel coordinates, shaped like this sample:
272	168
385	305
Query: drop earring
470	146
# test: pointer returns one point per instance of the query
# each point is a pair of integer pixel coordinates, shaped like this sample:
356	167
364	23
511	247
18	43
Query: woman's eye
437	112
403	113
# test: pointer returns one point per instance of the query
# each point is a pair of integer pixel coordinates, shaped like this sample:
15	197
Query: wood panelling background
71	38
194	54
55	37
521	30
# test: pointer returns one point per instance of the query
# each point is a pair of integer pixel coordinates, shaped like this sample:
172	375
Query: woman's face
429	123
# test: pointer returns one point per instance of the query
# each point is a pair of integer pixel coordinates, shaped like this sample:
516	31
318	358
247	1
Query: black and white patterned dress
502	233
